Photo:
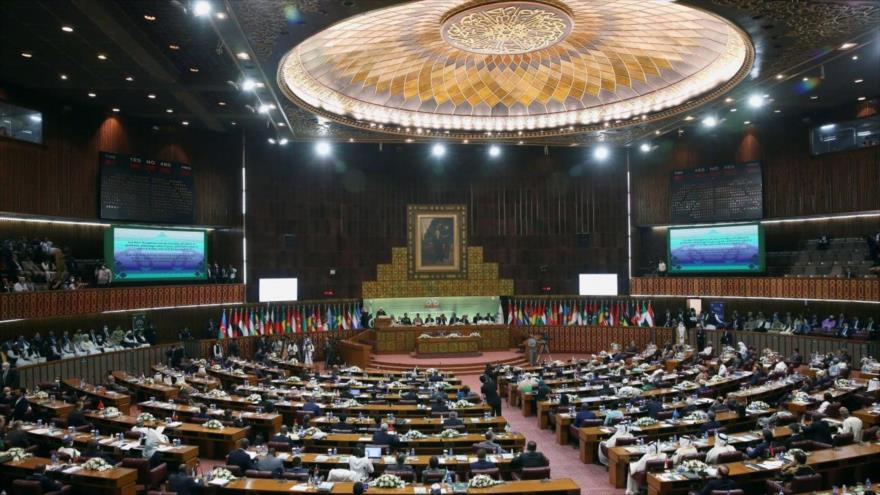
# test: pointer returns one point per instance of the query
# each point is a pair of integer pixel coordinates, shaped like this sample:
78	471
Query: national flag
221	333
647	316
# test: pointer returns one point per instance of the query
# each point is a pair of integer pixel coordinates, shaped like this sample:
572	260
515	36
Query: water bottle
867	483
54	458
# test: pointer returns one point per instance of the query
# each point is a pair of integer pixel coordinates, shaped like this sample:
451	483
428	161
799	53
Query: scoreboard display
140	189
721	193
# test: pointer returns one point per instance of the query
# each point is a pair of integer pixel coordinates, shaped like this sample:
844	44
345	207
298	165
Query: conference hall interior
495	247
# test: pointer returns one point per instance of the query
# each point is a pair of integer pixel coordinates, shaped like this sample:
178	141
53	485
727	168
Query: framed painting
437	241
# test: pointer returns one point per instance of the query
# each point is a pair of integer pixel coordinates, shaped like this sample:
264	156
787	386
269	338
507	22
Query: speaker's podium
383	321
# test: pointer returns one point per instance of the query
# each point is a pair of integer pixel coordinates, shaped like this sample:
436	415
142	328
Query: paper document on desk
218	482
302	487
72	469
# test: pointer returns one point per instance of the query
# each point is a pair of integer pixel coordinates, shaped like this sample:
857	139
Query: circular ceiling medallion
520	68
506	28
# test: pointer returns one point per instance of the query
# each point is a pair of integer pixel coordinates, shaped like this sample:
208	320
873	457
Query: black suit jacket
17	438
529	460
718	484
281	438
20	407
490	390
385	438
10	378
77	418
450	422
47	484
182	484
240	458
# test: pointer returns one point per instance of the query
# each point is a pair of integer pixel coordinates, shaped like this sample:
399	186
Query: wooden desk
345	442
424	425
590	437
448	346
108	397
117	481
750	480
254	366
145	389
213	444
869	417
563	486
230	379
201	382
267	424
289	408
51	408
404	339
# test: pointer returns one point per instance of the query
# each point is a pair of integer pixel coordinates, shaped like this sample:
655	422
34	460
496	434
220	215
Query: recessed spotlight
129	78
657	132
438	150
202	8
282	141
221	103
805	79
220	15
728	100
149	17
466	141
494	151
282	124
248	84
862	98
859	81
814	97
151	96
519	142
63	77
710	121
35	117
756	101
92	95
233	122
102	56
847	45
116	110
747	122
27	54
266	108
689	118
409	140
645	147
185	122
242	56
733	109
855	57
827	127
779	76
601	152
67	29
193	69
777	111
172	46
271	140
169	110
322	148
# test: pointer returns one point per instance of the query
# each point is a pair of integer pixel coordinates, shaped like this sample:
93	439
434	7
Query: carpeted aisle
564	461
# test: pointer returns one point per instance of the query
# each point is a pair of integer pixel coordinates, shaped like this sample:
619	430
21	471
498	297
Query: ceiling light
438	150
27	54
202	8
756	101
248	84
35	117
221	15
185	122
92	95
747	122
322	148
151	96
242	56
689	118
265	108
710	121
855	57
172	46
67	29
814	97
862	98
271	140
282	141
409	140
350	140
193	69
733	109
728	100
645	147
282	124
129	78
519	142
777	111
601	152
233	122
466	141
102	56
827	127
116	109
221	103
847	45
779	76
169	110
494	151
859	81
149	17
63	77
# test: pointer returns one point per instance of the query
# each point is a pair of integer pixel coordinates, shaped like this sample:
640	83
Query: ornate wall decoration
506	28
436	241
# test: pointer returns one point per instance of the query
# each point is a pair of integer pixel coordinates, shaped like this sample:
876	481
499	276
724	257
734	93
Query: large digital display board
717	249
141	189
137	254
720	193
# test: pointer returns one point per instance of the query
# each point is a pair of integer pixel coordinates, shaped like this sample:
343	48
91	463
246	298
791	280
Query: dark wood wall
347	211
61	176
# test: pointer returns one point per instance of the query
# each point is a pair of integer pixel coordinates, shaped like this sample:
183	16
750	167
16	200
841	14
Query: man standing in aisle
532	350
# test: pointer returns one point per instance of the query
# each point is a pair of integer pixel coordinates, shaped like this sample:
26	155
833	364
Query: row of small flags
276	320
523	312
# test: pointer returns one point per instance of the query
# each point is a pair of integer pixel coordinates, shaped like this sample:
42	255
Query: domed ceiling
527	68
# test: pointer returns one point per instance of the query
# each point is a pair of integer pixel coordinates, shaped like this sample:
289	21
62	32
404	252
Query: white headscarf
720	440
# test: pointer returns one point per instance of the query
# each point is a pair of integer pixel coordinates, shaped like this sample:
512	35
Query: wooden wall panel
45	304
347	212
759	287
61	177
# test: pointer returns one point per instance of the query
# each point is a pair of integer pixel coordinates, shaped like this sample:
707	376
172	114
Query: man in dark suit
490	394
47	484
481	462
77	418
759	450
239	457
452	420
583	414
818	431
711	424
281	436
409	395
8	376
530	458
400	464
342	424
182	483
312	407
16	437
21	407
439	406
382	437
653	407
93	449
721	483
296	466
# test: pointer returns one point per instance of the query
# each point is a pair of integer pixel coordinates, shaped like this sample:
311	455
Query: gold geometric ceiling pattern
534	68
